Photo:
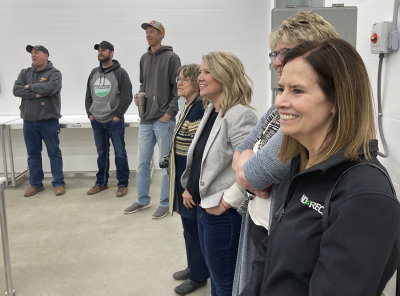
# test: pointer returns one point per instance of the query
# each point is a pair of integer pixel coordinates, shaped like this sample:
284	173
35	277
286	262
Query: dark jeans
219	241
102	134
194	255
34	133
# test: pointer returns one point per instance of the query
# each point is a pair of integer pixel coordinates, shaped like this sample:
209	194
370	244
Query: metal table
4	238
3	121
67	121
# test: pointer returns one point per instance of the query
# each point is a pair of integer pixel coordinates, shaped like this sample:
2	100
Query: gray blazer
216	174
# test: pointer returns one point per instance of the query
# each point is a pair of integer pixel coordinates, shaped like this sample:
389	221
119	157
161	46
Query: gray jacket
216	175
158	72
108	93
47	83
257	172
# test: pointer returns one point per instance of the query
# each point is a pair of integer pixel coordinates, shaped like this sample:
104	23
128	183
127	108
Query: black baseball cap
38	47
105	45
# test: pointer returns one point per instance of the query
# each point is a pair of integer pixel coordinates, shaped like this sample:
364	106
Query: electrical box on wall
380	37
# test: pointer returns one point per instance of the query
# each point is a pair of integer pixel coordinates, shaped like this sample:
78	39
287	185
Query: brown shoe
122	191
96	189
32	191
59	190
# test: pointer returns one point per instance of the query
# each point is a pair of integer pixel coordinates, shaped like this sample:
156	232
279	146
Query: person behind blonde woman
209	180
338	221
196	273
255	159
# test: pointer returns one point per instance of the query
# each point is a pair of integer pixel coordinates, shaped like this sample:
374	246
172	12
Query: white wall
69	29
370	12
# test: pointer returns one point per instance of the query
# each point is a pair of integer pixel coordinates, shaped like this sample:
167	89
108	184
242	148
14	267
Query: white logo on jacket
311	204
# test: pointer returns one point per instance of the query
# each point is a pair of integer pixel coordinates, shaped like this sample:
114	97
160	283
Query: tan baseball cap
154	24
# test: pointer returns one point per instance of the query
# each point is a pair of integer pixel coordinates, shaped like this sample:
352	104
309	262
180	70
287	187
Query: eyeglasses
280	53
177	79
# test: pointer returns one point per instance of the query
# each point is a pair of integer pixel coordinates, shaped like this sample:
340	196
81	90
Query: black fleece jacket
355	256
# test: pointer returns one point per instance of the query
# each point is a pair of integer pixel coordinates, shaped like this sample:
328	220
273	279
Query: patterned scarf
267	131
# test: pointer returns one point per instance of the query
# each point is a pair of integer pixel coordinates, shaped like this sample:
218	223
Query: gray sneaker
161	212
135	207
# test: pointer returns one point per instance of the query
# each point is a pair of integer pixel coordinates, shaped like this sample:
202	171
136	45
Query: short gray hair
191	72
304	26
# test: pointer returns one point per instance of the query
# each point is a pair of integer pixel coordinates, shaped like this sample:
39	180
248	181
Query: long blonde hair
344	79
226	68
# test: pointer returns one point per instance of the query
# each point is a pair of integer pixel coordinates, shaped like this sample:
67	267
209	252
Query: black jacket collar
333	160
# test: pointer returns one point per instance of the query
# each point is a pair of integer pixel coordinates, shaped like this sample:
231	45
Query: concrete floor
76	244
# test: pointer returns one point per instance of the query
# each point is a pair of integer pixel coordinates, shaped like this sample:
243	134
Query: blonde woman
255	160
338	219
209	180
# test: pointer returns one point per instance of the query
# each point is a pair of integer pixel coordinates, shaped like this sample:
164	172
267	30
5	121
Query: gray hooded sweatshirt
158	72
45	82
108	93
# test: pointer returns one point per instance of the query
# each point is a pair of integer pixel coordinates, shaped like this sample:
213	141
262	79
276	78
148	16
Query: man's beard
104	59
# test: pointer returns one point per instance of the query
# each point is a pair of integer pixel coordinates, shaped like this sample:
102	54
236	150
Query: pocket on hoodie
152	109
39	109
162	106
100	110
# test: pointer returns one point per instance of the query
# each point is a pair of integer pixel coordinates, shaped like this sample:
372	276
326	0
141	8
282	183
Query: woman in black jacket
326	116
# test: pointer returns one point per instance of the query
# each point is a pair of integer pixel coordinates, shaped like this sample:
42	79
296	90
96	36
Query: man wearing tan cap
158	67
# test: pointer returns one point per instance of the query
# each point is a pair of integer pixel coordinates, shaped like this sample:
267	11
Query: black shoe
189	286
182	275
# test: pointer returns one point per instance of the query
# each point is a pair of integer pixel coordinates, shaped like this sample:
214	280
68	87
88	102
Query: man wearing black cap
39	88
108	96
158	67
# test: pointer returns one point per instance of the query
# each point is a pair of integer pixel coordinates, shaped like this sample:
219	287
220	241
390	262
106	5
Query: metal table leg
4	238
11	158
3	148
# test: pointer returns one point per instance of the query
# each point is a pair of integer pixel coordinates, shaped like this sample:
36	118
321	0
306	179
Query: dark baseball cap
38	47
105	45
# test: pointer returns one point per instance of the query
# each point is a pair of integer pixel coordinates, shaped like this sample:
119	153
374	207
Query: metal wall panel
343	19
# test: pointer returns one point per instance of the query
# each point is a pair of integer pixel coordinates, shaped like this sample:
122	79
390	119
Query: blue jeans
195	259
34	133
219	241
102	134
149	134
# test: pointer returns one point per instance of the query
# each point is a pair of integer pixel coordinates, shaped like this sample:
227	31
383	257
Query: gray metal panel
343	19
300	3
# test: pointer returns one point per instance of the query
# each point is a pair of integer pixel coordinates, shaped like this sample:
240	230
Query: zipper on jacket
281	215
273	234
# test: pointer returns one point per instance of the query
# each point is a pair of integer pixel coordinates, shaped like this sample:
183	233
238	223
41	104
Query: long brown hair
343	78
